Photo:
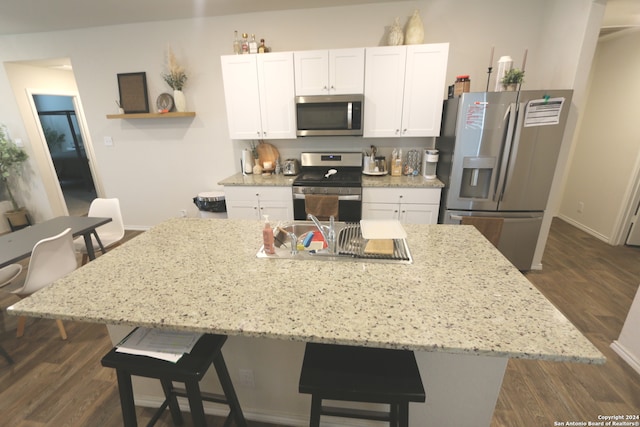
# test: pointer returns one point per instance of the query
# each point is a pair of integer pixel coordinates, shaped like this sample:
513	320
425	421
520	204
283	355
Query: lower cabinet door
242	209
380	211
278	211
419	213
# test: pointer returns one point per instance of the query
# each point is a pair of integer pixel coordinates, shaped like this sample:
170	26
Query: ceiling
33	16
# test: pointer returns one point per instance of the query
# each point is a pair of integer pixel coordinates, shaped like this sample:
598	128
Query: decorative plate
164	102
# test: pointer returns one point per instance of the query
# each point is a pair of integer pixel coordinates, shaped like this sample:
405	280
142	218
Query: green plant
513	76
11	157
176	77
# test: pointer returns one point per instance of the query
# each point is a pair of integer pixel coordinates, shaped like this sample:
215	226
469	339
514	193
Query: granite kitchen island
461	306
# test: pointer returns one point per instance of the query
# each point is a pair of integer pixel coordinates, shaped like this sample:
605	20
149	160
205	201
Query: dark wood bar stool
190	369
360	374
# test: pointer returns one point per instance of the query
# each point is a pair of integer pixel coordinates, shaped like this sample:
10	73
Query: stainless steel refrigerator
498	154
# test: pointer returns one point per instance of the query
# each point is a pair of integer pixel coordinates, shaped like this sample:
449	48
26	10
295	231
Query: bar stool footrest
206	396
365	414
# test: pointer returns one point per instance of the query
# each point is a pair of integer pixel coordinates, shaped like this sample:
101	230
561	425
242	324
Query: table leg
89	244
95	234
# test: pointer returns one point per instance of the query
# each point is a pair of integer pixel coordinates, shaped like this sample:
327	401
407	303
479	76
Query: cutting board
267	153
379	246
382	229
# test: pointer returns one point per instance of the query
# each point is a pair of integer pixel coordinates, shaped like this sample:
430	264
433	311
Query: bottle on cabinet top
245	43
236	44
253	44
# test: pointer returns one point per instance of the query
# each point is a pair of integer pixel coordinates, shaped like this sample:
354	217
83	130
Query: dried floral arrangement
176	77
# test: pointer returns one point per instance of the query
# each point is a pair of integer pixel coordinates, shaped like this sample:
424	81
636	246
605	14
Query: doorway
63	135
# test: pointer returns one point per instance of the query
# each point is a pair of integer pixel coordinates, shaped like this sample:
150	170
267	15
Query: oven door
349	205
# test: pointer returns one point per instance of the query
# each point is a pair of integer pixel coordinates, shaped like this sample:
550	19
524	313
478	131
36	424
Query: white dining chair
51	259
8	273
111	233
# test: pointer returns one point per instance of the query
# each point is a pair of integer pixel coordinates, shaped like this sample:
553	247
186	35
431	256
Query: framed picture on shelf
133	92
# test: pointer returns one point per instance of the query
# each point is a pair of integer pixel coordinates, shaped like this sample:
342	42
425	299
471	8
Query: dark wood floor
55	383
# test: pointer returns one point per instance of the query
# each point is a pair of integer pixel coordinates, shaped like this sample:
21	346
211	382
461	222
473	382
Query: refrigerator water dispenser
477	173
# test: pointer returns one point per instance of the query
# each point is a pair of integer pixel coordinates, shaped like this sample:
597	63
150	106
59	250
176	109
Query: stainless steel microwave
329	115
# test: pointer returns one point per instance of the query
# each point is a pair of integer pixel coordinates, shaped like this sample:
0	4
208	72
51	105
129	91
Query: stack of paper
159	344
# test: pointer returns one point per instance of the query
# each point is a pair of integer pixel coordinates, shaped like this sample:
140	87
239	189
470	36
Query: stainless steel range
334	175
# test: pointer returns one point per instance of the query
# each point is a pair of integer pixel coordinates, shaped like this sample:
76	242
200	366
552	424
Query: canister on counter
463	84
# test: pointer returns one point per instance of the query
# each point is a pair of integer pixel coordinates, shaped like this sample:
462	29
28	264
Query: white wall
606	157
156	166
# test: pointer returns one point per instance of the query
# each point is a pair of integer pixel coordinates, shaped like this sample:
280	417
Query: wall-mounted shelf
151	115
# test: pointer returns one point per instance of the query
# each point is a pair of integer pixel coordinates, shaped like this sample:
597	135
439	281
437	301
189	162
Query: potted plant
512	79
11	157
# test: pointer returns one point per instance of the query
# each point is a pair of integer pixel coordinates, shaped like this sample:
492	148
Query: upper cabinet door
384	91
311	75
346	71
259	95
240	77
329	72
404	89
424	89
277	92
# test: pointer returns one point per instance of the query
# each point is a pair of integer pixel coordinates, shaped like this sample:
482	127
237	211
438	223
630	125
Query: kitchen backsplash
292	148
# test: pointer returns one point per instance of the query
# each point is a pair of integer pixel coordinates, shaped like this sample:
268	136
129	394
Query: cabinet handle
397	131
404	131
258	133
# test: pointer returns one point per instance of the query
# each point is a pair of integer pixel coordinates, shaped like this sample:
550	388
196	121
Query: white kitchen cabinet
408	205
254	202
404	90
329	72
259	95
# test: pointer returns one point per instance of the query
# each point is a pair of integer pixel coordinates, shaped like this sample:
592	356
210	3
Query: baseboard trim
626	355
586	229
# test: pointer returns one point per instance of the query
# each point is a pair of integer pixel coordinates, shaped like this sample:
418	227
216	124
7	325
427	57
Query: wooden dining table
18	245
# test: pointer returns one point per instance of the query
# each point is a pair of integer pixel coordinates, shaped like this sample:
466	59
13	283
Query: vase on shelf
179	101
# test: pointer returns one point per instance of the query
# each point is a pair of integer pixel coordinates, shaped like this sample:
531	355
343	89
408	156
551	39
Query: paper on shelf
159	344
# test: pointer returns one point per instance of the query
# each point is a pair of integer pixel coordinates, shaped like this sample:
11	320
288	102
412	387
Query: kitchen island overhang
460	297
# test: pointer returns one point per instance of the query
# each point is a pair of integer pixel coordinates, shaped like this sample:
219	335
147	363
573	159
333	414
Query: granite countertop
367	181
459	296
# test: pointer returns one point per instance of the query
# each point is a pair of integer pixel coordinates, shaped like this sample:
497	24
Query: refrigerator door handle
514	147
509	119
